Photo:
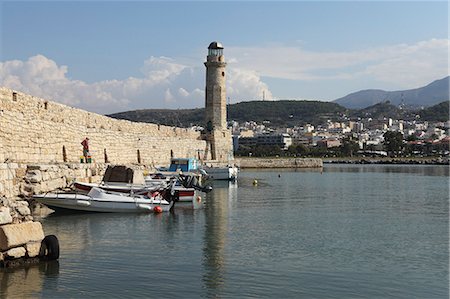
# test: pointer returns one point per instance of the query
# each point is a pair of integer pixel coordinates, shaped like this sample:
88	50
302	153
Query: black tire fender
50	248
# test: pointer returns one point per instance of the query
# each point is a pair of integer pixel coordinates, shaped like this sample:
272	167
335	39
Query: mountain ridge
428	95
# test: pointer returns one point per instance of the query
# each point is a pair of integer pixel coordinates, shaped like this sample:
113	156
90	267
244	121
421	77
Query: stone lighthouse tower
217	135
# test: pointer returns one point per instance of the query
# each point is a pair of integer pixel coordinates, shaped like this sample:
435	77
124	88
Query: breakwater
279	162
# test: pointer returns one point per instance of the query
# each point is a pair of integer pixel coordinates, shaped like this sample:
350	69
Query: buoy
157	209
255	182
199	198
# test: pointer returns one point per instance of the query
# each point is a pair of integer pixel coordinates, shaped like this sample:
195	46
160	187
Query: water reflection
215	238
28	280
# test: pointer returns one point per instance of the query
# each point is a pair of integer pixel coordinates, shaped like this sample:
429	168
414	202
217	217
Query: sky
113	56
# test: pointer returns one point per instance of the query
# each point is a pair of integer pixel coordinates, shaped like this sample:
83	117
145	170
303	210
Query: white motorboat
83	187
229	172
181	193
99	200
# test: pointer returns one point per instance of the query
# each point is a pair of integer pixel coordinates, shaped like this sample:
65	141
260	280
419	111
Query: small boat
183	164
228	173
99	200
83	187
189	166
185	188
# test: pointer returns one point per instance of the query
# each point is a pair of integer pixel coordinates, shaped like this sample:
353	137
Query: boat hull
116	204
222	173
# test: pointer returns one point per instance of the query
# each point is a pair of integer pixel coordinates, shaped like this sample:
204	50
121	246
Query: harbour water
349	231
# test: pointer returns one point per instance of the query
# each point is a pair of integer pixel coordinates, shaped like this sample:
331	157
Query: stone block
5	216
33	248
34	167
34	176
16	252
13	235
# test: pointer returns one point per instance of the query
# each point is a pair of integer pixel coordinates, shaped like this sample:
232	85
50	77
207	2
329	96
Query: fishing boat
99	200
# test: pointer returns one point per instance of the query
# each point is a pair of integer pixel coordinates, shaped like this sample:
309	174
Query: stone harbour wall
35	130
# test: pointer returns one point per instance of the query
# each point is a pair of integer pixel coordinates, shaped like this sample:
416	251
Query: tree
298	149
349	146
393	142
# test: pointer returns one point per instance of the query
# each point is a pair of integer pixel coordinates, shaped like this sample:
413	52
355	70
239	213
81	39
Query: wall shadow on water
215	238
28	280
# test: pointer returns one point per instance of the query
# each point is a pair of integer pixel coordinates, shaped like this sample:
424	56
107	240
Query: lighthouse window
223	74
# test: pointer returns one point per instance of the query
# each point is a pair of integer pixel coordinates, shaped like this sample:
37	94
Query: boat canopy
183	164
123	174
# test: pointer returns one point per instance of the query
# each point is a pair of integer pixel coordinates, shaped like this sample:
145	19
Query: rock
2	257
28	218
13	235
5	216
16	252
34	176
23	210
33	248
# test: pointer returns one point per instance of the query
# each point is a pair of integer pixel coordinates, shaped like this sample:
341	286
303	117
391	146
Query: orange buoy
157	209
199	198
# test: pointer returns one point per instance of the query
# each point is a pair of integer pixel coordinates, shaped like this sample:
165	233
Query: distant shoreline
287	162
386	160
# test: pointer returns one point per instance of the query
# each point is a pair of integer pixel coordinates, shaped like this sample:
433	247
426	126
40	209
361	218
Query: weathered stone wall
35	130
20	181
279	162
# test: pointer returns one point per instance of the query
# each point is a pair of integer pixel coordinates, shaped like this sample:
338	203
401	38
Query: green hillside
284	113
439	112
278	113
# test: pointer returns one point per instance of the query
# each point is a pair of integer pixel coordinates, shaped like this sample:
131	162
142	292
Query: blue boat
183	164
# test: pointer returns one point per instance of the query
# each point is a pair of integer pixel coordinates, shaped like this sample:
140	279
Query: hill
432	94
178	118
286	113
439	112
380	110
278	113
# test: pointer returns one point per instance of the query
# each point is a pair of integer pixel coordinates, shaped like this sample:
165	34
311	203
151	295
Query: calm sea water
359	231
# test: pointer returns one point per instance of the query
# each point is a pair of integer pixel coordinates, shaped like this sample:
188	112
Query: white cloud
413	65
164	84
246	85
406	65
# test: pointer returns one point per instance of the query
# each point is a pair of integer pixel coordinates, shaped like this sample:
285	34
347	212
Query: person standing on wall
85	144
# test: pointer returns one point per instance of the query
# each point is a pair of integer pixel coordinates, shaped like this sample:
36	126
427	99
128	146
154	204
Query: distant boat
229	173
99	200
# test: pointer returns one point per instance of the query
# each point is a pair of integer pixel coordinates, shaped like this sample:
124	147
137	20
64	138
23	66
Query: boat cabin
183	164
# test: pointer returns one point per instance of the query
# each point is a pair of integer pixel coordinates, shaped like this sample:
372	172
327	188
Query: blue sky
111	56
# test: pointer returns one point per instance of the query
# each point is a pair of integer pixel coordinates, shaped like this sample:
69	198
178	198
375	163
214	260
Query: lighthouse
217	135
215	93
